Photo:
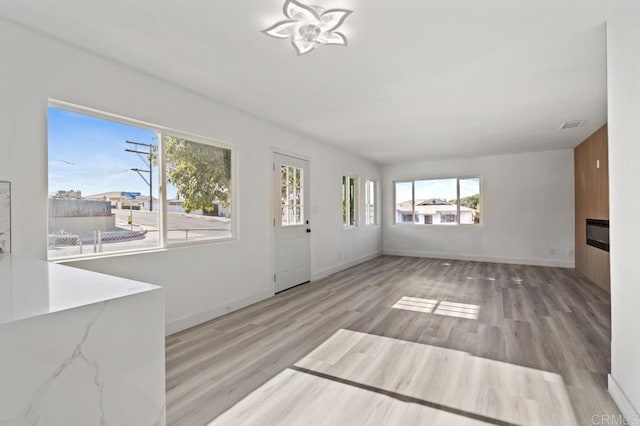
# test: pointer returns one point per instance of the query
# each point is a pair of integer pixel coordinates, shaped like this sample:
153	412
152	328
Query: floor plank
400	340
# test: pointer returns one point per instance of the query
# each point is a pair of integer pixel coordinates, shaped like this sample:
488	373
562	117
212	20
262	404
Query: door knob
308	231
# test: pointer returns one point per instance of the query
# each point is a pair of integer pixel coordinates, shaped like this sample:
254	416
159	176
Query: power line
149	153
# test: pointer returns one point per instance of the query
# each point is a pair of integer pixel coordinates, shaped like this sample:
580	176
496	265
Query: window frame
161	132
445	225
375	202
203	140
346	203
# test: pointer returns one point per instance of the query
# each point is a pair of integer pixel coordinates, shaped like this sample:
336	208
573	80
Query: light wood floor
403	341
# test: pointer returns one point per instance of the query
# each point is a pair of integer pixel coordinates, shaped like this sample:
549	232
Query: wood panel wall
592	201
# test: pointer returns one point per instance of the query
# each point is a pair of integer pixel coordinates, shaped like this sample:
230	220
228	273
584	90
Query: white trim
288	153
491	259
140	251
626	407
458	202
162	189
204	316
107	254
342	266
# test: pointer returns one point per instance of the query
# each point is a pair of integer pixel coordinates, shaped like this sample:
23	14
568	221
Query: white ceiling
420	78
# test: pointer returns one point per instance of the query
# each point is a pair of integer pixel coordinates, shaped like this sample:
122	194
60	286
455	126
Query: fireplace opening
598	233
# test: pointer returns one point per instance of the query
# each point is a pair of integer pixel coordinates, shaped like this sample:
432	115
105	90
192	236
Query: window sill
442	225
169	247
186	244
96	256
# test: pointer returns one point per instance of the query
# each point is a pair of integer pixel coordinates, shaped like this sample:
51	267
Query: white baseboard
492	259
624	404
342	266
189	321
202	317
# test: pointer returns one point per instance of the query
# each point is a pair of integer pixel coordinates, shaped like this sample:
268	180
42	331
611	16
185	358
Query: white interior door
292	230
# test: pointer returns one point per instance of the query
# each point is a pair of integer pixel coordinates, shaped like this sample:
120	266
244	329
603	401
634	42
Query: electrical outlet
552	252
570	252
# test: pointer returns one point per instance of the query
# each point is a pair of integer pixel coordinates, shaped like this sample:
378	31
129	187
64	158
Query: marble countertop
30	288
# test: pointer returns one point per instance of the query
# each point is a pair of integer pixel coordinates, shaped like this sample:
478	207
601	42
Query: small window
349	204
449	201
292	196
448	218
371	203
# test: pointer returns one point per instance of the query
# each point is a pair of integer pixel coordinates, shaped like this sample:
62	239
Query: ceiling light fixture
309	26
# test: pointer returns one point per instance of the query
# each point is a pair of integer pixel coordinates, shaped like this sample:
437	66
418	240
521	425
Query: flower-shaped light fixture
309	26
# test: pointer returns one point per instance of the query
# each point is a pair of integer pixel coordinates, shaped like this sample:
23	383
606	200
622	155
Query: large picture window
452	201
104	179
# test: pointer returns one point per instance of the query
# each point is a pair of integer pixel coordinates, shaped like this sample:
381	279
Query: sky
88	154
437	188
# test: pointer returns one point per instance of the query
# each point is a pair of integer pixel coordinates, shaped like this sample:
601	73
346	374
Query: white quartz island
79	348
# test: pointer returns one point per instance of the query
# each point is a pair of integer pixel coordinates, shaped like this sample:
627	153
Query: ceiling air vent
572	124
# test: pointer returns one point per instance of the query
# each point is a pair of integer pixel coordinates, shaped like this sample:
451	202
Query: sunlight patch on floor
431	306
358	378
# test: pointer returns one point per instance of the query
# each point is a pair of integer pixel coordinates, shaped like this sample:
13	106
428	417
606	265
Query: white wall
200	282
527	207
624	174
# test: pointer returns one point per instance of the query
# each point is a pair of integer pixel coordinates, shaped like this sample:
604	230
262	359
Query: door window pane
292	197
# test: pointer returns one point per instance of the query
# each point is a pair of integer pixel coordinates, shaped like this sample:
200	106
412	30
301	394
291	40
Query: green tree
472	201
201	173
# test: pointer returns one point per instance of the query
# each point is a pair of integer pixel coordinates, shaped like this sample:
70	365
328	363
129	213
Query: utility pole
149	153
